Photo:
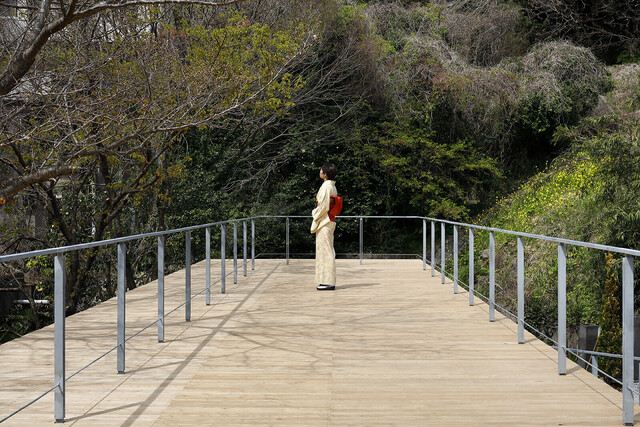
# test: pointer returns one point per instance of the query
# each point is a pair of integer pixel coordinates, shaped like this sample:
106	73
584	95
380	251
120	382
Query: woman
323	227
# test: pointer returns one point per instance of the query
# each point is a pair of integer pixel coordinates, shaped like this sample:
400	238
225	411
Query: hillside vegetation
590	192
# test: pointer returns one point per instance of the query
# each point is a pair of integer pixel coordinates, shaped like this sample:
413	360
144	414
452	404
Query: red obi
335	207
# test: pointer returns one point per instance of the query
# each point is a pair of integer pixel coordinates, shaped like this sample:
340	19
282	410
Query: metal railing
60	376
628	387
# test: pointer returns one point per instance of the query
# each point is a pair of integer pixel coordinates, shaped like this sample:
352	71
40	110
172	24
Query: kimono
323	227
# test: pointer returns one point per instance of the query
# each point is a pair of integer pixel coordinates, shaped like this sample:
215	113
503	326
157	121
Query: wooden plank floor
391	346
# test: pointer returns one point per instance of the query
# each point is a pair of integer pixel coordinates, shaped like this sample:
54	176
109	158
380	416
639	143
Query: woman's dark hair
330	169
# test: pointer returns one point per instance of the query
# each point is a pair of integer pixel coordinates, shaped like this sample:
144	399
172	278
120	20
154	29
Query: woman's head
330	170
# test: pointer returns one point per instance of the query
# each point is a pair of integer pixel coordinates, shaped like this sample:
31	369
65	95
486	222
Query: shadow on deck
391	346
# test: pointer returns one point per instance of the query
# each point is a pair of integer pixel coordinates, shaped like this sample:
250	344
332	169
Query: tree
114	89
85	132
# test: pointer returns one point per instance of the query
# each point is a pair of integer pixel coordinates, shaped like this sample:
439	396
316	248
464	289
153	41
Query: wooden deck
391	346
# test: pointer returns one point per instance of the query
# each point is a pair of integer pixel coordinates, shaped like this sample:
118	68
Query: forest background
121	118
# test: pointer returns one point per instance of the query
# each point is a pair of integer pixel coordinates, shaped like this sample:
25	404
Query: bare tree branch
14	186
22	61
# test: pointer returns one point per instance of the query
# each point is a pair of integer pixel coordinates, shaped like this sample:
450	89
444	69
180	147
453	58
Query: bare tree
40	20
109	85
85	127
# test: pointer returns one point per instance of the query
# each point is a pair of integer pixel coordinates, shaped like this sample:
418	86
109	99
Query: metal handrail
80	246
61	249
571	242
60	283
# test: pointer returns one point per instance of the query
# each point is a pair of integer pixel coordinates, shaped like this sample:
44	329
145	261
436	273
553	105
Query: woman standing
324	226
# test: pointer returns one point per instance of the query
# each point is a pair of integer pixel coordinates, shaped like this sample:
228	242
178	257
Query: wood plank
391	346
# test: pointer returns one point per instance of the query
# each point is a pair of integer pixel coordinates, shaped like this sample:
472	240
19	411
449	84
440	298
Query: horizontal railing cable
29	404
596	353
142	330
368	255
593	366
192	297
541	237
571	242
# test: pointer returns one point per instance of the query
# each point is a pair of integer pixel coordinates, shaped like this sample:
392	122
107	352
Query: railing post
627	340
424	244
520	290
223	256
433	248
594	365
455	259
207	265
492	276
187	277
471	262
244	247
361	240
59	337
287	233
562	309
253	244
235	252
160	288
122	267
442	253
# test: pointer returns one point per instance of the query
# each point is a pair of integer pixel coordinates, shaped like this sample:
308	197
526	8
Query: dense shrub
561	84
511	109
610	28
610	339
625	99
485	32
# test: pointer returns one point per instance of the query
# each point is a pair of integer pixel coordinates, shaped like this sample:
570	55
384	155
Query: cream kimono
323	227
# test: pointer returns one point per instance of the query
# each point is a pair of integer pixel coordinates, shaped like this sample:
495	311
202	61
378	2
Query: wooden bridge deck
391	346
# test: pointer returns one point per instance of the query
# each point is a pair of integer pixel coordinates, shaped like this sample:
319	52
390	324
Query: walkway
391	346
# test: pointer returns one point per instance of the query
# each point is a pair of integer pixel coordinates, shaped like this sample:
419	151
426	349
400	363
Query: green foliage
627	58
397	25
433	144
433	178
589	193
508	110
553	192
485	33
431	137
242	56
562	85
15	323
610	339
619	199
556	202
392	94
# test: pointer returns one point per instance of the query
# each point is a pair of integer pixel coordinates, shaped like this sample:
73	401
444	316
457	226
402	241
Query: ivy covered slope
591	192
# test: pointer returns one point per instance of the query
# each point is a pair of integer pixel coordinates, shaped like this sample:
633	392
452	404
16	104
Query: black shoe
326	287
